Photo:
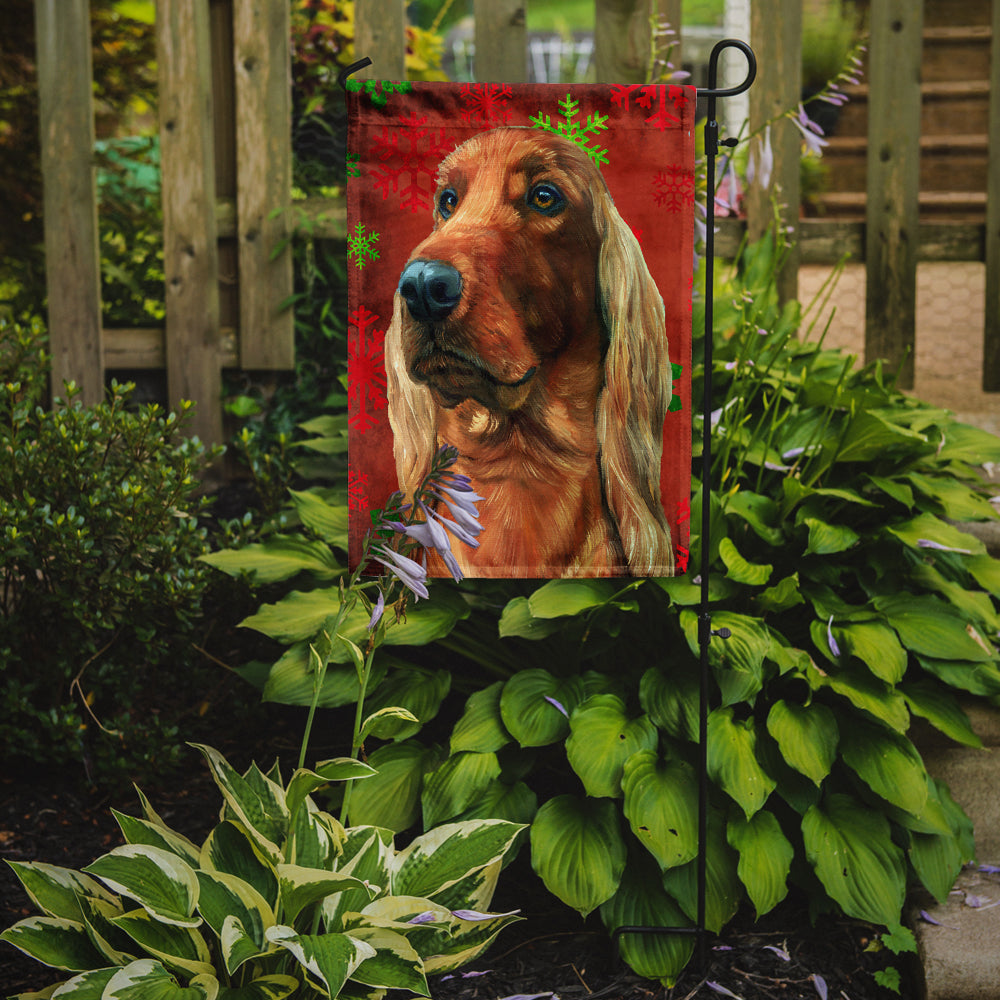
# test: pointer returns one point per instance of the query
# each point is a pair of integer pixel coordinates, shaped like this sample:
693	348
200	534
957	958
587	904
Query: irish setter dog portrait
528	333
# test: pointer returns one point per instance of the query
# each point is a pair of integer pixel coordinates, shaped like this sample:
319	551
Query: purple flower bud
427	917
558	705
410	573
834	648
377	611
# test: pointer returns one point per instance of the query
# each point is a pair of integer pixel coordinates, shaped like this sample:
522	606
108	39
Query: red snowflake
357	491
683	555
648	94
673	188
408	156
486	103
365	371
683	510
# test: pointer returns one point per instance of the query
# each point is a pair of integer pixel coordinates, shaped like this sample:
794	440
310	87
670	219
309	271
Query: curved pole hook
713	90
350	70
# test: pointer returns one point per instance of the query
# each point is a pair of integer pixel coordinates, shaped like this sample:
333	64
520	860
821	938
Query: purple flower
761	163
834	648
411	574
719	988
558	705
927	543
475	915
427	917
811	132
377	611
820	983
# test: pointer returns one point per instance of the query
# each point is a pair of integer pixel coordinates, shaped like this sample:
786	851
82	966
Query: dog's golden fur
550	374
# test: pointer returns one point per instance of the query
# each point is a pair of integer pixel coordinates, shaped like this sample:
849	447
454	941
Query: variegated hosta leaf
807	736
661	800
141	831
535	706
467	940
86	986
304	782
300	887
329	959
441	857
475	891
602	737
481	727
274	987
225	897
765	858
578	851
54	941
116	946
177	947
158	880
230	849
149	980
850	847
456	784
315	838
56	891
732	760
367	853
395	964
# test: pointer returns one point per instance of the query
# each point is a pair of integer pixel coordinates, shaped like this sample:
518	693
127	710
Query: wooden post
380	34
621	40
262	60
501	41
893	183
72	255
190	254
991	333
776	35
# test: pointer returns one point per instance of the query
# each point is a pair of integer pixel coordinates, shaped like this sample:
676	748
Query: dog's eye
546	198
447	203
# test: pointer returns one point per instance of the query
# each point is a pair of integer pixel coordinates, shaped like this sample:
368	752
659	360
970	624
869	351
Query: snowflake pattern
361	245
357	491
486	103
673	188
578	132
378	91
365	371
408	159
353	165
676	403
646	94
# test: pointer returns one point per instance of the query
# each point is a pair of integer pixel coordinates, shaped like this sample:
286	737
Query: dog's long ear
411	410
637	391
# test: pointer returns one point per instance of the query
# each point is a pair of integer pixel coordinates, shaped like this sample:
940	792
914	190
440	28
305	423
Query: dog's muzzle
430	288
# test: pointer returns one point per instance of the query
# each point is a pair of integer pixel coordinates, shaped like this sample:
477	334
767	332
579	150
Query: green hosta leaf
481	728
876	646
230	849
870	436
225	897
274	987
641	901
671	700
56	891
976	678
180	948
516	803
865	692
527	711
517	620
661	799
391	798
828	539
807	736
54	941
975	605
732	760
965	443
738	661
578	851
559	598
957	501
783	595
931	628
292	680
141	831
602	738
928	528
738	569
279	558
937	859
888	763
438	859
301	887
456	784
147	979
330	959
893	488
163	884
765	858
758	511
850	847
415	689
327	520
941	709
986	571
395	964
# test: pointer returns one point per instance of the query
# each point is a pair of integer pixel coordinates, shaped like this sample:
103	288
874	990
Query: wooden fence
226	161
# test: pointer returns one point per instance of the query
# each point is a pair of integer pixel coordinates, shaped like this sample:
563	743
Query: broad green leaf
866	692
732	760
928	528
976	678
739	569
876	646
941	709
560	598
54	941
438	859
893	488
758	511
602	738
640	901
986	570
274	987
661	800
225	897
972	445
141	831
385	723
516	803
957	501
976	605
828	539
530	706
395	964
671	699
765	858
391	798
292	681
279	558
783	595
578	851
180	948
418	690
301	887
738	661
481	728
231	850
330	959
517	620
888	763
163	884
850	848
807	736
931	628
456	785
937	860
56	891
147	979
870	436
327	520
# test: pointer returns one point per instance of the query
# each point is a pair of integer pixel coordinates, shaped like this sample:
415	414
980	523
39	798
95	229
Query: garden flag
520	275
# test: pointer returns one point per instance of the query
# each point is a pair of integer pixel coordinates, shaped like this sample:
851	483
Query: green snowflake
361	245
378	91
353	165
578	132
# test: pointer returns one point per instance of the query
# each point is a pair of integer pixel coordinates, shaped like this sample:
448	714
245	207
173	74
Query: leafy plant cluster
854	605
279	899
100	585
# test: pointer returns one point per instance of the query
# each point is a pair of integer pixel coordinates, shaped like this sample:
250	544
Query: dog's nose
431	288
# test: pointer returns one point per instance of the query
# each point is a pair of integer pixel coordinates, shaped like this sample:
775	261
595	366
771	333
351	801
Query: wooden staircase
955	92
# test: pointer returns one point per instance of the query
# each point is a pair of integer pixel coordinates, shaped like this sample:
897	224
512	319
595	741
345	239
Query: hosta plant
279	900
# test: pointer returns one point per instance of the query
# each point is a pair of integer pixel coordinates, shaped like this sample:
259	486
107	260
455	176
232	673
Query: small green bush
99	578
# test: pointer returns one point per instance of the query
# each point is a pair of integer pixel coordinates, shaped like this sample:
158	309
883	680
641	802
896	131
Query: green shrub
99	541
